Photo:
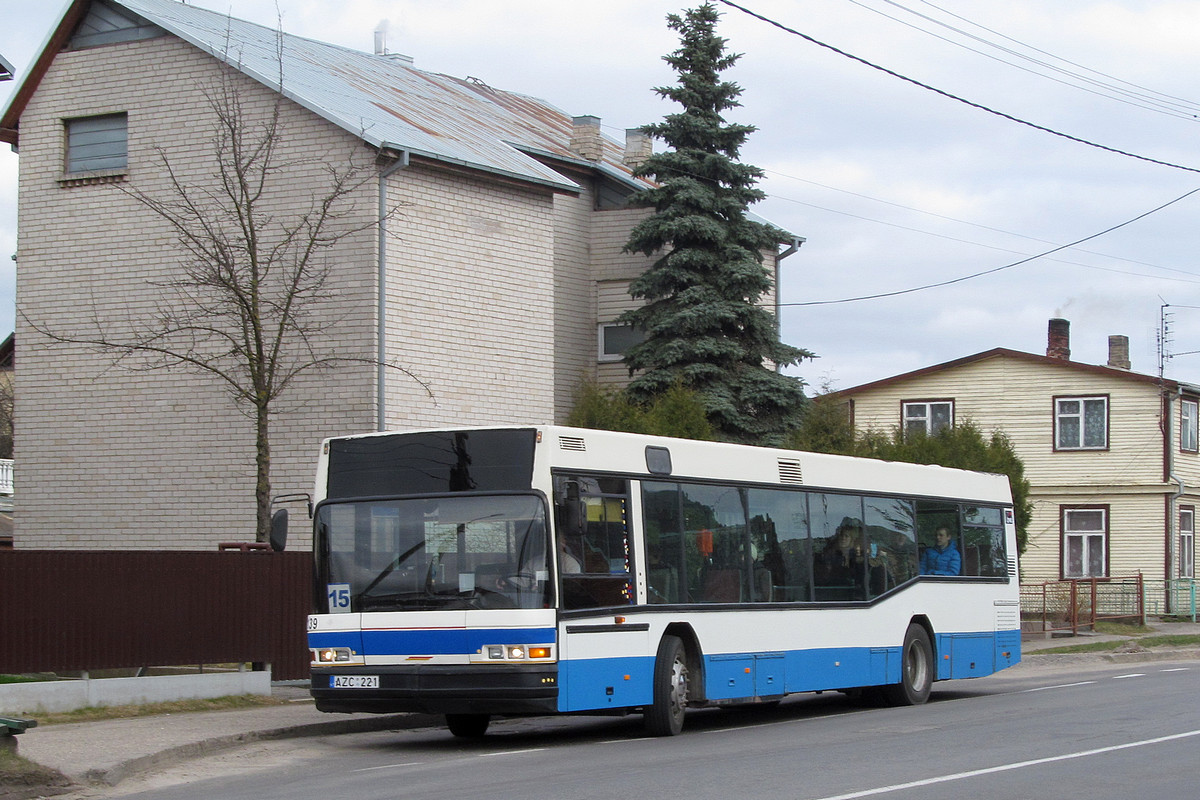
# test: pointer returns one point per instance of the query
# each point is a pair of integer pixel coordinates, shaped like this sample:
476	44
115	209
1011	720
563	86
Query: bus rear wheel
468	726
916	670
665	716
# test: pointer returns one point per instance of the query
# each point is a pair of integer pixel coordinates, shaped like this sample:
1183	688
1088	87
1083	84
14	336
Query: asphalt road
1107	731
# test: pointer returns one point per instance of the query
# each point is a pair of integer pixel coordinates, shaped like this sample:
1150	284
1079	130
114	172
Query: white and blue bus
538	570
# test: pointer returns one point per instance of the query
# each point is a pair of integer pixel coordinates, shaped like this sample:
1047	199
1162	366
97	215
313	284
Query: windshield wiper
397	561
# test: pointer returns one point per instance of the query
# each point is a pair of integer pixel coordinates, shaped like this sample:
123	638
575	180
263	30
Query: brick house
494	285
1111	455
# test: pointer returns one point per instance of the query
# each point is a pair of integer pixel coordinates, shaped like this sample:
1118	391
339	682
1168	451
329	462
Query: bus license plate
354	681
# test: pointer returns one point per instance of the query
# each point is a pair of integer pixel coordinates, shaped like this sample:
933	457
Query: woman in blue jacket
943	558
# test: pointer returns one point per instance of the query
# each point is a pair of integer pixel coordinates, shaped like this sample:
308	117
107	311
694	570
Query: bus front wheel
665	716
468	726
916	670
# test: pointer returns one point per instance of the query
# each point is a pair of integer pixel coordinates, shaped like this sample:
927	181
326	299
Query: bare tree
243	306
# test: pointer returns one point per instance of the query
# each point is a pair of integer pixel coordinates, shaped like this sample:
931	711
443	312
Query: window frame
1059	416
76	168
1189	425
602	355
905	405
1187	542
1065	534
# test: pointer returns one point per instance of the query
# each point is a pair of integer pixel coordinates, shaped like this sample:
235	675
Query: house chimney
1058	340
586	141
638	147
381	38
1118	352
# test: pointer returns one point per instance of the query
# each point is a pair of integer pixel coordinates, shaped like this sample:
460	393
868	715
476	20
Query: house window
97	143
616	339
928	417
1187	541
1187	425
1080	423
1085	538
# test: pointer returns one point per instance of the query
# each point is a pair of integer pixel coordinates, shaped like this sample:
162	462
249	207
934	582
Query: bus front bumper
438	689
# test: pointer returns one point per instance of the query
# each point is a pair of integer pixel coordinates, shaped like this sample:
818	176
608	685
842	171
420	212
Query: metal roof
387	101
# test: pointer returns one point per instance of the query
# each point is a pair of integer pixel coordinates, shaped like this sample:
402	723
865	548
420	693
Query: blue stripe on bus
590	684
595	684
425	642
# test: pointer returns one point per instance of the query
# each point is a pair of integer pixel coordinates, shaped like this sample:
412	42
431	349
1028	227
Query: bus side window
983	542
933	516
593	541
891	543
665	550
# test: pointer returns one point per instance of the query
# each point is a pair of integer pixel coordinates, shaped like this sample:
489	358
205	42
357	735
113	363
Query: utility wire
1179	100
990	228
1138	99
955	97
994	270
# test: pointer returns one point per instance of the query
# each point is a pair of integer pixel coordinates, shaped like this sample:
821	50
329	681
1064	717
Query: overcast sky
894	186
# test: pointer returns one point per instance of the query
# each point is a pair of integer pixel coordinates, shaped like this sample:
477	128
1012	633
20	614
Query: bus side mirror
279	525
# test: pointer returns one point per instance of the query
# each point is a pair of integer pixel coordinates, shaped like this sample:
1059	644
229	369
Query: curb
1183	654
175	755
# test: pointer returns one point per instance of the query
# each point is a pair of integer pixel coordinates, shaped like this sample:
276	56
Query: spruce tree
702	323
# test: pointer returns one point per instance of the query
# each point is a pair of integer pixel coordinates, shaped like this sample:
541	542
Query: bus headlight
331	655
517	652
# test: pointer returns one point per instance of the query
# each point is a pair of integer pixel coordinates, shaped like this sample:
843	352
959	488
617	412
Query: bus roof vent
572	443
789	471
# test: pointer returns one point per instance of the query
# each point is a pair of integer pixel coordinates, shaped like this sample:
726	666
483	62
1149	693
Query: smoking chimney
1058	340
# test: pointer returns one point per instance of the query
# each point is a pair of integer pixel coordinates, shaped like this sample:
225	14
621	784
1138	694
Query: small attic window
107	24
96	144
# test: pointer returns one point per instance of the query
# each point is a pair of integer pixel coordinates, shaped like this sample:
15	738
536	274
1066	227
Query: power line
1142	98
946	218
955	97
1182	101
994	270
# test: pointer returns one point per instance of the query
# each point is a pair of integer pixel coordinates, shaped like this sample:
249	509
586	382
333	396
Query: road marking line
391	766
1176	669
1130	675
1058	686
511	752
1009	767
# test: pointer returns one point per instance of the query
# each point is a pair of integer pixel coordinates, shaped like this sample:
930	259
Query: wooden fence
65	610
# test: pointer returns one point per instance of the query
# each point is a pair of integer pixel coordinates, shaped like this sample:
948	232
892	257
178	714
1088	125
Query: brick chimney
1118	352
586	141
638	147
1058	340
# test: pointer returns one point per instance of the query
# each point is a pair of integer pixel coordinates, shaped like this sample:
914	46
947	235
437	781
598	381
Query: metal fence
94	610
1172	598
1075	604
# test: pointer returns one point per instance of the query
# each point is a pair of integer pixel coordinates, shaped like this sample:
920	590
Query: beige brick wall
574	298
470	299
115	456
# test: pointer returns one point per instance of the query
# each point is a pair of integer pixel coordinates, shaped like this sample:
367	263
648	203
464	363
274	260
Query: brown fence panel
1069	605
91	610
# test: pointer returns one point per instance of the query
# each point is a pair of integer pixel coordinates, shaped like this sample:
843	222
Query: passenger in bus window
840	563
943	557
567	561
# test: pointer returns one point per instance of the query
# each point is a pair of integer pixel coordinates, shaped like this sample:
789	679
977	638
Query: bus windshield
433	553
